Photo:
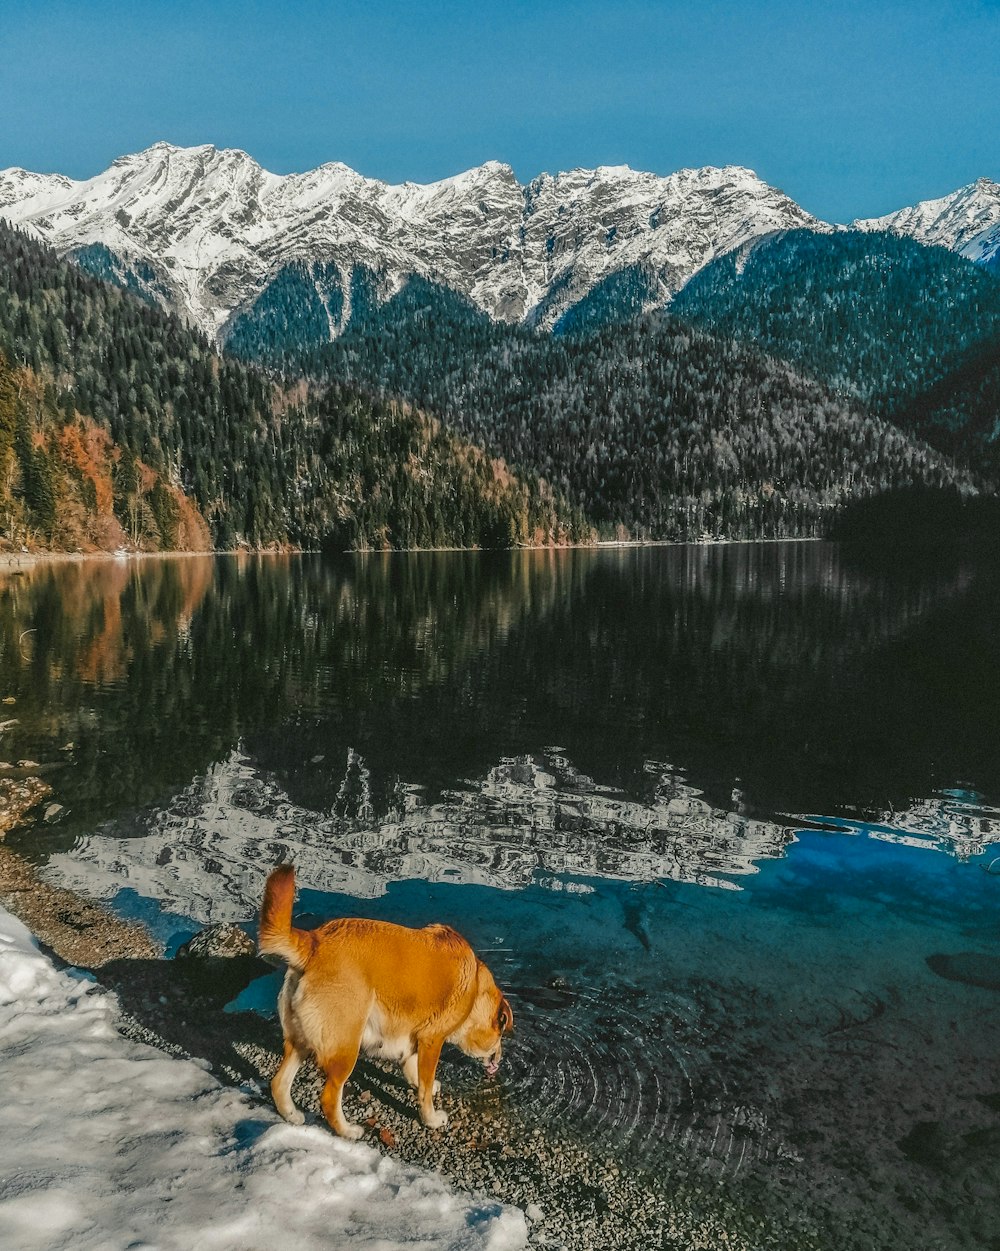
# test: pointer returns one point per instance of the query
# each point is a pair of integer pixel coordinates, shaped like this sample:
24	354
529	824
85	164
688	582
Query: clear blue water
724	821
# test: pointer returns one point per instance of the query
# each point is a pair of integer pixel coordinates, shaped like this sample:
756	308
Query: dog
394	992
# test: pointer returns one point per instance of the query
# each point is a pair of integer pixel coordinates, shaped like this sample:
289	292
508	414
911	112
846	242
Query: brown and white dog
395	992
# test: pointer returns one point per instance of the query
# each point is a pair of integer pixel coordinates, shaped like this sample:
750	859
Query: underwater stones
556	993
218	940
974	968
17	799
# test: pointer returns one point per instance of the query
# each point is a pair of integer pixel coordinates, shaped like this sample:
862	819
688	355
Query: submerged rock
974	968
927	1144
218	940
18	796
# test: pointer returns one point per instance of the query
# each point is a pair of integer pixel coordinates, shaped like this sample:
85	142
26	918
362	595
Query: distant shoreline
28	560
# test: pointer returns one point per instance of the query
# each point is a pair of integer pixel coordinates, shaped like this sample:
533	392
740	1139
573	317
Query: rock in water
971	967
218	940
18	798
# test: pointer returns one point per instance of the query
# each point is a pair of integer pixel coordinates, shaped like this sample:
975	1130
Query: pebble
52	812
534	1213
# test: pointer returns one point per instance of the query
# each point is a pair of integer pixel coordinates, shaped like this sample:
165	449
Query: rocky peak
967	221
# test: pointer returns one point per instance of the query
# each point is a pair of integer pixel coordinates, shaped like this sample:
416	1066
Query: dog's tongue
492	1067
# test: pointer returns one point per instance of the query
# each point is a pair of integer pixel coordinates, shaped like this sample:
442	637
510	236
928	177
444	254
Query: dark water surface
726	820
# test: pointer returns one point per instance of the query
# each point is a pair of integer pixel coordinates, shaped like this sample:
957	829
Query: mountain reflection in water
776	678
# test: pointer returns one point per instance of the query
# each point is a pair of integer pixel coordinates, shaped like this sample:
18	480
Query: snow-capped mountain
967	222
206	231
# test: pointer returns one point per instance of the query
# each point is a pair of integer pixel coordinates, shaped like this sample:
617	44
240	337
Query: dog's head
481	1033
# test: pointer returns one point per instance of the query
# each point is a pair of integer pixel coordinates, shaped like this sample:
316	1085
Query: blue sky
853	108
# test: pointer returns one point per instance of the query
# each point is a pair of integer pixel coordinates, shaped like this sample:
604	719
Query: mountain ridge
205	231
217	228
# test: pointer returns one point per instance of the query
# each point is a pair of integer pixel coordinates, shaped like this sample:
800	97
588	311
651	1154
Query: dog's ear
505	1016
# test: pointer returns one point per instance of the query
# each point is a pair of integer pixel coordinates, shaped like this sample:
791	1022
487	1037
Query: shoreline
29	560
576	1196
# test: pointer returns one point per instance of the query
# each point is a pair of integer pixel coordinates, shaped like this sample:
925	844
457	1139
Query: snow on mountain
967	221
215	228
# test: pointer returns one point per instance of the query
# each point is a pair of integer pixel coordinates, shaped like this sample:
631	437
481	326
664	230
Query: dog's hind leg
338	1068
281	1083
337	1055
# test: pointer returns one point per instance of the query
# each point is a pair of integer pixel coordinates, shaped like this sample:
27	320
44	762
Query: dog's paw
294	1117
350	1131
436	1119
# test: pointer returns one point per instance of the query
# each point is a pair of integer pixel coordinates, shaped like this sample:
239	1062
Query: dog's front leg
410	1073
428	1054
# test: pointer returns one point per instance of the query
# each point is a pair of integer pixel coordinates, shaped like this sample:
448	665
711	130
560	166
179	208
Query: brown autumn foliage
60	488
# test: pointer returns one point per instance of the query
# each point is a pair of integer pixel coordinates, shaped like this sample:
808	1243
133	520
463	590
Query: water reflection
777	679
205	855
956	821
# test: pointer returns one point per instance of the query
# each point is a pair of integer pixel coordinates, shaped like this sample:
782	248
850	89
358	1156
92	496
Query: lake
724	819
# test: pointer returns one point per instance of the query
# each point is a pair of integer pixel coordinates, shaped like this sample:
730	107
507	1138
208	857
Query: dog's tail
278	937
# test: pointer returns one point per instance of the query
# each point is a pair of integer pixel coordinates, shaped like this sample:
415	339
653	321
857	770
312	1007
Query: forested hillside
875	316
654	429
263	465
961	412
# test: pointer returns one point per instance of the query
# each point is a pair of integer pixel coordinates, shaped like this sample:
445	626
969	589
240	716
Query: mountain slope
967	222
875	316
654	429
65	484
206	232
263	466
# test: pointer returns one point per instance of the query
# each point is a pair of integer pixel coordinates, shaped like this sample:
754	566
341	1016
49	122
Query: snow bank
110	1144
